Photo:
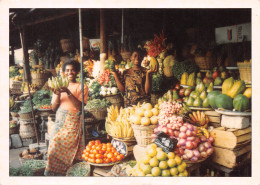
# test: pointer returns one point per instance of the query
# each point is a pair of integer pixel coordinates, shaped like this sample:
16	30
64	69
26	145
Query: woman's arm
55	102
119	84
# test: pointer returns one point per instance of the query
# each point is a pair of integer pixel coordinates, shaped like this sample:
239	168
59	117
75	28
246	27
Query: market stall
197	121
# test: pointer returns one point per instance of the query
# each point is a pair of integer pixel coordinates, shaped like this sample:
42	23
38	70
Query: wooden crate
214	118
231	138
231	158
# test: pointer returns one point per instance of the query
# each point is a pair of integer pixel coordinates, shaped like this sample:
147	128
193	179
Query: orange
88	148
97	142
114	159
109	155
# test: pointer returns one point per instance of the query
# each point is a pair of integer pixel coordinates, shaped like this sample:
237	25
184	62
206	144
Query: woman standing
66	139
137	81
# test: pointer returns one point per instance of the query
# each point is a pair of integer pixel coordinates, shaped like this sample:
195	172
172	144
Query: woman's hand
152	70
55	91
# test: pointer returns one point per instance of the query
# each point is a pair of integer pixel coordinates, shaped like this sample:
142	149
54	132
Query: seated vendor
136	85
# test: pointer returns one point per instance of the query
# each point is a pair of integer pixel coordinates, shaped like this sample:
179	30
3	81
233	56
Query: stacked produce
144	114
117	122
184	66
156	162
157	80
97	103
58	82
38	71
188	136
42	99
97	152
15	73
32	87
234	95
94	89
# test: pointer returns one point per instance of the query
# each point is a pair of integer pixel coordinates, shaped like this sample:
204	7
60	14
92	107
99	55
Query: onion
209	151
210	139
182	135
203	138
196	153
194	133
190	127
169	125
207	145
203	154
185	124
159	129
182	142
170	132
191	138
189	145
176	133
194	159
173	127
201	148
181	151
197	139
185	157
195	144
189	154
189	133
183	129
155	130
172	137
165	130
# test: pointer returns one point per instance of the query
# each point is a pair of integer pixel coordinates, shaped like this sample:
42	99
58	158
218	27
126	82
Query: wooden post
103	44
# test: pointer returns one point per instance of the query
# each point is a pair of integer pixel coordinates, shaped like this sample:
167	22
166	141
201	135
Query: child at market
136	86
66	139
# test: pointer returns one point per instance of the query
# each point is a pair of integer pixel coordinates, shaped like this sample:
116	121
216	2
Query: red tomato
114	159
108	160
88	148
110	155
118	158
97	142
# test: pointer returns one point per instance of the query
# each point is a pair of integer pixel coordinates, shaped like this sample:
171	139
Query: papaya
184	78
154	64
248	92
191	80
227	84
237	88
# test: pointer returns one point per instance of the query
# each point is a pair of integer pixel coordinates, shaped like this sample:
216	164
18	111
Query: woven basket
14	114
116	100
82	165
27	129
25	115
167	71
13	130
67	45
205	62
39	155
245	71
143	134
39	75
99	113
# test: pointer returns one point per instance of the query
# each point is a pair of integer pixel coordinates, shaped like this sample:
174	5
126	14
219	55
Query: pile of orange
97	152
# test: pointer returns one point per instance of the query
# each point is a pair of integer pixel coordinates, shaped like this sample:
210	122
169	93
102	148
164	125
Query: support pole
27	75
103	45
82	77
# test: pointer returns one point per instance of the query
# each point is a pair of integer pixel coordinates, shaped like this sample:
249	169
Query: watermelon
224	101
241	103
211	98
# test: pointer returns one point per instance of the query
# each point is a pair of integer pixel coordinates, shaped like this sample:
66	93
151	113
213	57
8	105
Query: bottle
207	173
212	174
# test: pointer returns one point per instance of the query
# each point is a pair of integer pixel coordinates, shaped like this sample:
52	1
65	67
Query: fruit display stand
214	118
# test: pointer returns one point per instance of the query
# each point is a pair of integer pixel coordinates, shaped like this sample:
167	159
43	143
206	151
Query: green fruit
166	173
190	101
171	155
241	103
203	95
146	169
205	103
224	101
197	102
154	162
218	81
171	163
174	171
163	165
161	156
194	94
181	168
211	97
156	171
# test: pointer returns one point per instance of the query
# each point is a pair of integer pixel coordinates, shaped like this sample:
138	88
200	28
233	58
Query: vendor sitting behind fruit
137	81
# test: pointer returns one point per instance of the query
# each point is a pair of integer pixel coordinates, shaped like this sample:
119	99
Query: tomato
109	144
118	158
105	155
110	155
114	159
101	152
95	151
88	148
108	160
99	147
116	154
97	142
86	154
109	149
99	161
93	147
91	143
113	149
99	156
122	156
84	150
91	156
83	156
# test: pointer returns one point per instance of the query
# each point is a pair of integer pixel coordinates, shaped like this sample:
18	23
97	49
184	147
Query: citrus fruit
181	168
154	120
162	156
174	171
139	112
177	160
154	162
166	173
163	165
148	113
158	149
171	155
151	152
156	171
152	145
147	106
146	169
171	163
185	173
145	121
136	119
146	159
155	111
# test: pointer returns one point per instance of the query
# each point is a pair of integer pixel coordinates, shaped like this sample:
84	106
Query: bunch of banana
121	126
199	118
58	82
203	131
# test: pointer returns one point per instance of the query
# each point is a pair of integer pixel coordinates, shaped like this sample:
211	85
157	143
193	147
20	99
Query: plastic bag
163	141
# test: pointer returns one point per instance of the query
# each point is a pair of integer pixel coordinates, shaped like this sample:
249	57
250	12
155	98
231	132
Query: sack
165	142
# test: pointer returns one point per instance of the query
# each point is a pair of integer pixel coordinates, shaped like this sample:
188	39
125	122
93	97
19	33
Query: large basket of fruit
143	134
245	71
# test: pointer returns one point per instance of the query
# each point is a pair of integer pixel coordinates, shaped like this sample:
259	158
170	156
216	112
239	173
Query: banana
198	115
192	118
205	132
195	115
